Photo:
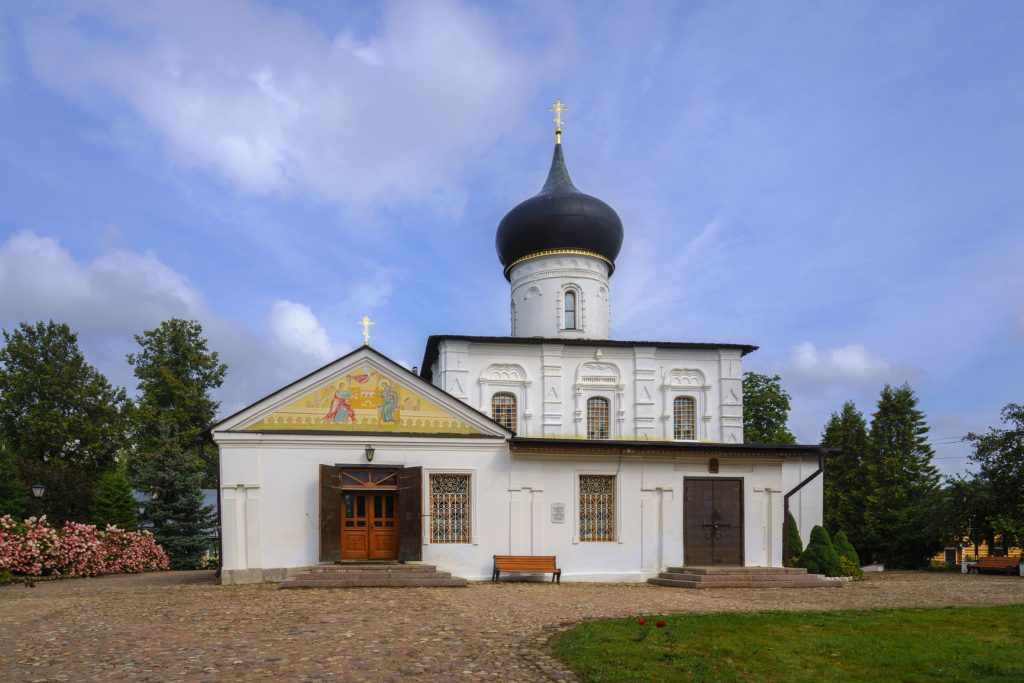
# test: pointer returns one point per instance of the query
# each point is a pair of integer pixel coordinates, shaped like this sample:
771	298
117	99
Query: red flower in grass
641	621
661	624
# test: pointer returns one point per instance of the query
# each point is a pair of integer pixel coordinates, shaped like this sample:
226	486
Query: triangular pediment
362	393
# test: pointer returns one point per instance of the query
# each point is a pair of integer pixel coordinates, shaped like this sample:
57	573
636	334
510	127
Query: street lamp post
37	493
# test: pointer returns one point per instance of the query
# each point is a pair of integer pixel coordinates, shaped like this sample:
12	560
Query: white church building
621	458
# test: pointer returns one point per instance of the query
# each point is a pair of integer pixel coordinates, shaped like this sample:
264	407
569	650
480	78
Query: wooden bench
995	564
543	564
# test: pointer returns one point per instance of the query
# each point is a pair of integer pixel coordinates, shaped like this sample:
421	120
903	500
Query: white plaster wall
538	288
649	514
552	383
807	505
282	473
271	510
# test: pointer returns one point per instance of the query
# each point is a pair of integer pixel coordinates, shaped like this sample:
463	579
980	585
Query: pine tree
176	373
903	508
796	545
13	492
848	474
180	521
113	502
821	556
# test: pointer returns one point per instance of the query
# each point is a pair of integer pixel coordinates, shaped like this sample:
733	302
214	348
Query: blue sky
840	183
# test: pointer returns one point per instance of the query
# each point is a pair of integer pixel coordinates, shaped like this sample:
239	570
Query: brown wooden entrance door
713	522
369	526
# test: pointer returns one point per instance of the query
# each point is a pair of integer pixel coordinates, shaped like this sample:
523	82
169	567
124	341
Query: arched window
503	408
684	421
597	418
570	310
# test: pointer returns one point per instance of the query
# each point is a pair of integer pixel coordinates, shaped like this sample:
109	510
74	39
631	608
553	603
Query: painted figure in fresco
341	409
388	402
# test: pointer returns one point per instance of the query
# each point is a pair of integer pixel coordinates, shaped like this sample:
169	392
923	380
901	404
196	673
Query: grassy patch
955	643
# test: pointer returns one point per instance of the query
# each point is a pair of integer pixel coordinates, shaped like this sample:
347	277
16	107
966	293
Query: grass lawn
955	643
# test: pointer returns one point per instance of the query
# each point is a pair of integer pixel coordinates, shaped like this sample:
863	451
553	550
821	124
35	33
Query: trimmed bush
796	546
820	557
847	568
845	549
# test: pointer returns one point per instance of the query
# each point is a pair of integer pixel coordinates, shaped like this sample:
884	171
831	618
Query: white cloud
844	364
268	101
121	293
294	326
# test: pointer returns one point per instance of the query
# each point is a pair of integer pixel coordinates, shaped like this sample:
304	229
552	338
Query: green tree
967	512
13	492
796	545
820	557
113	502
765	410
180	521
176	372
60	416
999	455
847	475
902	521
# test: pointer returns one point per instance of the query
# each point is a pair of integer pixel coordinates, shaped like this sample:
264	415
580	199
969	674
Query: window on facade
449	508
597	507
503	409
570	310
684	421
597	418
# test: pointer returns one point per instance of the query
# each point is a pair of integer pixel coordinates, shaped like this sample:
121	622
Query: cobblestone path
179	625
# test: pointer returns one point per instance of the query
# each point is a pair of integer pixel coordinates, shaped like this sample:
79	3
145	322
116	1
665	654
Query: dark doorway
712	522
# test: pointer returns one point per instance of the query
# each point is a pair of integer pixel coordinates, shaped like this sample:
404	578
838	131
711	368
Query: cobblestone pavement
179	625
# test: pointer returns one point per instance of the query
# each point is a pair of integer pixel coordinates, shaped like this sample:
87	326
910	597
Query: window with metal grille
597	418
597	507
684	422
449	508
503	409
570	310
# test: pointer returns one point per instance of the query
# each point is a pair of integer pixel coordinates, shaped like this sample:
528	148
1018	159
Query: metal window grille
597	507
597	418
449	508
503	408
684	422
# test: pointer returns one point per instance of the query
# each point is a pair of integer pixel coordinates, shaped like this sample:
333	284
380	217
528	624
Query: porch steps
383	575
742	577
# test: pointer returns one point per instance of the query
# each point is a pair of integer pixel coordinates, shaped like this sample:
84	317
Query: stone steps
371	576
741	577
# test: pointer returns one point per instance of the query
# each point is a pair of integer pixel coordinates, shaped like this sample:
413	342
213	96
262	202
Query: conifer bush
796	546
845	549
821	557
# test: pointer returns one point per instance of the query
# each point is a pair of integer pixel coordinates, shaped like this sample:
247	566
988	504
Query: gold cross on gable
558	109
365	322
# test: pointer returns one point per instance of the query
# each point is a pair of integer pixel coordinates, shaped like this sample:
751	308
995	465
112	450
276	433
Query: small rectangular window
449	508
597	507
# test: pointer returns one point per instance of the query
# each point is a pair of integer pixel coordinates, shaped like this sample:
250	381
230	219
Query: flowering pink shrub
33	547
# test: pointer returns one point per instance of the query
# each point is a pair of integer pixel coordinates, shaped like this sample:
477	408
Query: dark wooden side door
369	526
410	508
713	522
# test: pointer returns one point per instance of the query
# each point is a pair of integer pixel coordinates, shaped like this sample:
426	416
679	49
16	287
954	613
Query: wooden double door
712	521
369	525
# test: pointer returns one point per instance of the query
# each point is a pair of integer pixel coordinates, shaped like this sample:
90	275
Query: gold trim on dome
557	252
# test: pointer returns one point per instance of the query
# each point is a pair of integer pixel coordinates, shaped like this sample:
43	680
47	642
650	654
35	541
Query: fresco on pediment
365	400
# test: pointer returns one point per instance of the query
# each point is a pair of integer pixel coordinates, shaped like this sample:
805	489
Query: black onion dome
558	218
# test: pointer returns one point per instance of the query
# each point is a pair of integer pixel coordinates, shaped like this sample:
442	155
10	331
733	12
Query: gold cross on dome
365	322
558	109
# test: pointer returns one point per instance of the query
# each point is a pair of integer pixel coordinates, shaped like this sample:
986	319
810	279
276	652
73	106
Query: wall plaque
558	513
